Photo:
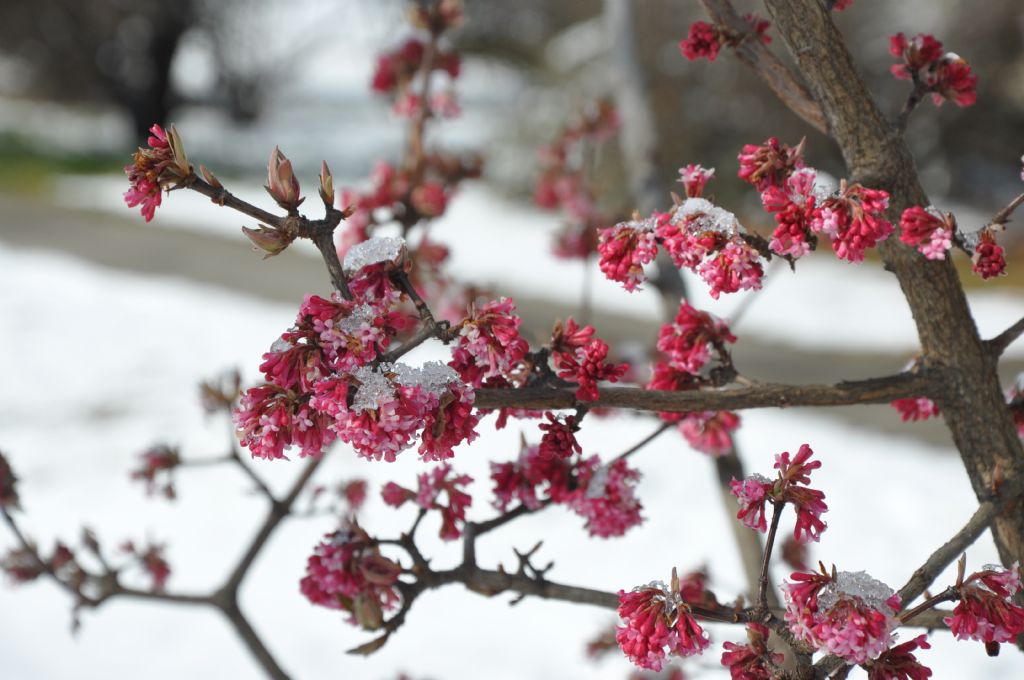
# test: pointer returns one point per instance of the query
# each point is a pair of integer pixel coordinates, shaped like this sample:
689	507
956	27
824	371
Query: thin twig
998	344
762	582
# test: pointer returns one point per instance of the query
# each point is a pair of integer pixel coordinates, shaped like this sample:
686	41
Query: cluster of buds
346	571
690	344
442	479
581	358
853	218
929	230
988	259
944	75
705	40
789	486
152	561
753	660
915	408
604	495
159	166
489	345
25	564
986	610
658	622
157	467
849	614
565	180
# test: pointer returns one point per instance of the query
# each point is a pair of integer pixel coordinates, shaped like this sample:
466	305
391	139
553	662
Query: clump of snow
860	584
703	215
372	251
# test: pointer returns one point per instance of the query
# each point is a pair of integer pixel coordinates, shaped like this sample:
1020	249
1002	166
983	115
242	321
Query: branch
786	84
223	197
763	395
998	344
1003	216
951	550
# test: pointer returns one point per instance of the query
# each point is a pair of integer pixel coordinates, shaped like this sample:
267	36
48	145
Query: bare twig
769	545
998	344
1003	216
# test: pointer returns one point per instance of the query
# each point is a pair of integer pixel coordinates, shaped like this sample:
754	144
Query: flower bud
282	185
269	240
326	185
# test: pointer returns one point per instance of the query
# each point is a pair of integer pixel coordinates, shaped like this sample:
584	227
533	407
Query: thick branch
786	85
871	391
876	154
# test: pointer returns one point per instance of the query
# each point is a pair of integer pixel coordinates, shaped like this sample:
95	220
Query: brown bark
877	155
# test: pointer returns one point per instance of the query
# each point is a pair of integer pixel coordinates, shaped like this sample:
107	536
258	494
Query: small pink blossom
606	497
443	480
269	419
710	432
624	250
489	344
854	219
770	163
899	662
693	178
581	358
927	229
559	438
988	260
689	341
751	661
915	408
986	611
658	623
703	41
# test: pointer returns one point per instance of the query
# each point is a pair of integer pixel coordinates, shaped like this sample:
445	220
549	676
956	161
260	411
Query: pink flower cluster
604	495
153	169
853	218
151	559
915	408
704	40
751	661
848	614
688	342
989	258
581	358
158	463
790	486
624	249
986	610
396	70
489	344
928	230
710	241
559	440
346	571
944	75
442	479
899	662
658	622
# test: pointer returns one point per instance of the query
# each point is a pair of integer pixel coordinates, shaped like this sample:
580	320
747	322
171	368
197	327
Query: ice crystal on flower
354	322
860	584
374	388
707	217
434	377
373	251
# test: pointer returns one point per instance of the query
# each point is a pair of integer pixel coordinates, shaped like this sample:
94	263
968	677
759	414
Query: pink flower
606	498
769	164
153	169
840	5
442	479
929	230
657	622
789	487
915	408
693	178
559	438
953	80
752	661
703	42
793	203
522	480
986	611
152	561
689	341
666	377
395	495
944	76
581	358
489	344
854	219
346	571
624	250
737	266
848	614
449	422
429	199
269	419
918	53
157	461
899	662
988	258
710	432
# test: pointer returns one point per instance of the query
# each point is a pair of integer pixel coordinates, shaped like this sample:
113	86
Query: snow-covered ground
824	304
98	364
